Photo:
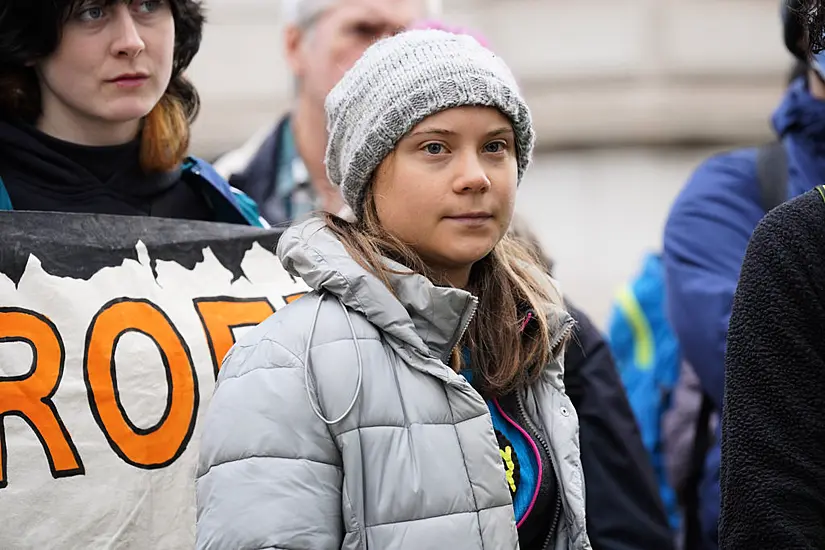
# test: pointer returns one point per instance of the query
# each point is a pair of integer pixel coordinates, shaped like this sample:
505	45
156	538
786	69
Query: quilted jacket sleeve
269	473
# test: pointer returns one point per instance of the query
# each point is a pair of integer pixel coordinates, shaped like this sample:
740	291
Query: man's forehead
301	12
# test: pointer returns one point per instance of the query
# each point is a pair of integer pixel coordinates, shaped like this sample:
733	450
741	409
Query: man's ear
294	37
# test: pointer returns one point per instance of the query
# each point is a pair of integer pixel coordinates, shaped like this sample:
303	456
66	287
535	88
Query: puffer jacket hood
429	318
336	424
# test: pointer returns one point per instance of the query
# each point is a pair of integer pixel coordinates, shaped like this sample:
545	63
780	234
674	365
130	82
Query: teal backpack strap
230	204
5	200
249	209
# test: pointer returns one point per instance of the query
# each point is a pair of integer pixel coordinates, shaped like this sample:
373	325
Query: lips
471	216
471	220
129	79
129	82
130	76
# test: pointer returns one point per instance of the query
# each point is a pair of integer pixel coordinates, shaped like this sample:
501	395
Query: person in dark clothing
707	232
773	425
624	509
95	111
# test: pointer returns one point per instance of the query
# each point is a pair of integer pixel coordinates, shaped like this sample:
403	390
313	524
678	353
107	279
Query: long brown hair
507	282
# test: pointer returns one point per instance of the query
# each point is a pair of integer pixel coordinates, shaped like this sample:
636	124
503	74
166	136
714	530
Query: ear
294	38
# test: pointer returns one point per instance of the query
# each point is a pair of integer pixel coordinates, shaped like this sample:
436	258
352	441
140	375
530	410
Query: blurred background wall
627	96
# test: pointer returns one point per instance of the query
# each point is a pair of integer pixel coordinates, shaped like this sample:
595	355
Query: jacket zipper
554	524
473	307
566	329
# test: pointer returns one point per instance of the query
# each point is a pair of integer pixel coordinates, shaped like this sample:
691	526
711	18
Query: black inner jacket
43	173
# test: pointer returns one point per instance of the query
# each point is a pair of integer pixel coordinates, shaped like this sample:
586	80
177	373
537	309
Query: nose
472	176
127	41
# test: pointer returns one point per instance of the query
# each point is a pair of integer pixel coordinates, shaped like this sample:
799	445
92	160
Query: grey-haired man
282	168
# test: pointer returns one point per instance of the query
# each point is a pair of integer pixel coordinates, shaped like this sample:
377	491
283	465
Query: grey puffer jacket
376	443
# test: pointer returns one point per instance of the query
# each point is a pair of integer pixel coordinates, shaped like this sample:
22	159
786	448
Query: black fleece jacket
773	426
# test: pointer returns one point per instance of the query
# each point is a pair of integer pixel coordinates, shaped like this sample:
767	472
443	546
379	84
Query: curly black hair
31	30
812	15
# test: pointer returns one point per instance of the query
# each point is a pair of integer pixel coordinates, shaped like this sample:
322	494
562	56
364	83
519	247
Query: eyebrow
444	132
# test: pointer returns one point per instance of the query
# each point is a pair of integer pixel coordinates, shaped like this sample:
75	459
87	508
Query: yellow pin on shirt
509	466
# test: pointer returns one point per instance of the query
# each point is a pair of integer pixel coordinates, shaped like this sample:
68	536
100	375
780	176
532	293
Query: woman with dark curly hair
95	112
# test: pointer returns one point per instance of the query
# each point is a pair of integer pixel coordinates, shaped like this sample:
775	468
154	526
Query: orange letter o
164	442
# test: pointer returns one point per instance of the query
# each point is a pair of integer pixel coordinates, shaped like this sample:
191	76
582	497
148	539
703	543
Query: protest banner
112	331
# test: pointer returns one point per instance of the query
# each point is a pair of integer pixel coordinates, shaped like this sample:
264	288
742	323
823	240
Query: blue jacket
231	205
705	239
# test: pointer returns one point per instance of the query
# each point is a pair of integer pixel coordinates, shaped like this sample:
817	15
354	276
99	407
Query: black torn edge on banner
79	245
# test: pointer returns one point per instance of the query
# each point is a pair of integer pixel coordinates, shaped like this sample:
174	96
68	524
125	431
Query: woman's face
112	66
448	190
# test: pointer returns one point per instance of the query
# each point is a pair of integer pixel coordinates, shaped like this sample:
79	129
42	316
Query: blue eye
434	148
495	147
93	13
151	6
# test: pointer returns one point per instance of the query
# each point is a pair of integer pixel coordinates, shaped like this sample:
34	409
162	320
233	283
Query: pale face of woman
448	189
112	66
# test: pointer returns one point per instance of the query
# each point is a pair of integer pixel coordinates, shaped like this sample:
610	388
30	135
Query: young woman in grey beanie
415	399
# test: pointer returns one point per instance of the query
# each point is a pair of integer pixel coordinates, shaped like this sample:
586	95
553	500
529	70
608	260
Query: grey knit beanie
400	81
